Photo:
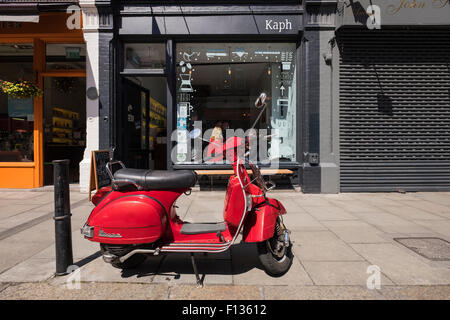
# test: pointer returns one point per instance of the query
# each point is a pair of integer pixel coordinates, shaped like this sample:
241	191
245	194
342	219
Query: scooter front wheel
121	250
275	256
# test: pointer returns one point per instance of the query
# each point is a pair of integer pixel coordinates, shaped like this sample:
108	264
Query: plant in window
20	89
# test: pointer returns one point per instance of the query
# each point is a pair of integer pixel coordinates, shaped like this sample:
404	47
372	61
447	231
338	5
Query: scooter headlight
87	231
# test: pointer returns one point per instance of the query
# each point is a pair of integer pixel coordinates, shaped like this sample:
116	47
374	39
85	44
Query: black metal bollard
63	230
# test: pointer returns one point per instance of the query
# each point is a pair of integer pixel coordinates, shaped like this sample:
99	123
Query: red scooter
136	216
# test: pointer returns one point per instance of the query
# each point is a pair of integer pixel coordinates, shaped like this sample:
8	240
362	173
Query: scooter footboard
260	223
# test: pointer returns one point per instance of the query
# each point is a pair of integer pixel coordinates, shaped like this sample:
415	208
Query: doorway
64	123
142	123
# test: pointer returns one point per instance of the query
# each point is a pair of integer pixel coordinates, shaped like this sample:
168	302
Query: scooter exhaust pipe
108	257
131	253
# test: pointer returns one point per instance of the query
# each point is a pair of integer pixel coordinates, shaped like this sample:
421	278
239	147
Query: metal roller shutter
394	110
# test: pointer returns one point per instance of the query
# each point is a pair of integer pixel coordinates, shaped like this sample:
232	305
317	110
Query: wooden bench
217	172
264	172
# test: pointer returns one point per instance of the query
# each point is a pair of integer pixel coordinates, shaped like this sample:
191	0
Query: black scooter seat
157	179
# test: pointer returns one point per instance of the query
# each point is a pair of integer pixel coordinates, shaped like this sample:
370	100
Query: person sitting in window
217	132
215	144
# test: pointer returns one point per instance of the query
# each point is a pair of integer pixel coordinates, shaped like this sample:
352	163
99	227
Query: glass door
64	123
133	129
142	122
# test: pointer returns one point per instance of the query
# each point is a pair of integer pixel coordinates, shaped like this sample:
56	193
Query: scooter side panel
260	224
128	219
234	202
133	217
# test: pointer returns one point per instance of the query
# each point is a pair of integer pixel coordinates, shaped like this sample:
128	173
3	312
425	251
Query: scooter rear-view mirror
261	101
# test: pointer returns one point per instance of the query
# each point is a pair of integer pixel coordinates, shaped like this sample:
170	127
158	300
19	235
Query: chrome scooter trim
129	254
196	247
195	250
115	183
108	257
87	231
194	244
108	167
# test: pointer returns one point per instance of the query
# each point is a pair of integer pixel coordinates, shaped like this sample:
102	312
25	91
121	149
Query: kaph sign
278	26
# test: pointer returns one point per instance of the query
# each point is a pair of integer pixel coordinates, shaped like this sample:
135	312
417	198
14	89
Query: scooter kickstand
197	276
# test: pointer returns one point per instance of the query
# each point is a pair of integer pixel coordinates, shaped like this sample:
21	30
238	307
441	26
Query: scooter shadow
240	258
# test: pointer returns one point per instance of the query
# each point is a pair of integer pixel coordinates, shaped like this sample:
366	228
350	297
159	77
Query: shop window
217	85
65	56
16	114
150	56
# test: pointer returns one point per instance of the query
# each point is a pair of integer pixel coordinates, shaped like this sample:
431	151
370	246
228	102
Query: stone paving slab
408	213
309	202
237	292
99	271
136	291
356	206
179	270
355	231
428	206
403	196
322	246
336	237
12	210
30	270
257	276
415	292
15	251
302	222
87	291
19	195
340	273
292	207
390	223
247	269
320	293
441	227
378	200
322	213
81	248
21	218
402	266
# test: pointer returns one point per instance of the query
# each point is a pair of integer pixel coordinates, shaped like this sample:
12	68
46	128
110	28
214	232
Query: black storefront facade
394	96
242	50
337	100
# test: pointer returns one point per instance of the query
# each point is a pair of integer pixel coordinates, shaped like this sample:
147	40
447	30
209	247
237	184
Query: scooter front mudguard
260	223
122	218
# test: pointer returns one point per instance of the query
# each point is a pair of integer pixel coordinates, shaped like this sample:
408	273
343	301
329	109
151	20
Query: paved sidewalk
336	238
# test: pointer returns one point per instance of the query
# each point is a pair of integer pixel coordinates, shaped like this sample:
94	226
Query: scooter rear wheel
121	250
274	255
